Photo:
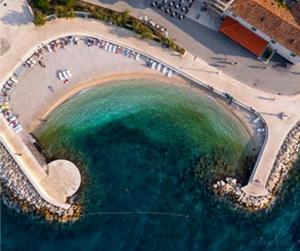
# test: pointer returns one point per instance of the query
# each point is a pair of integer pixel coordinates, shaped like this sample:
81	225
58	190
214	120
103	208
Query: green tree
68	3
39	19
42	4
123	18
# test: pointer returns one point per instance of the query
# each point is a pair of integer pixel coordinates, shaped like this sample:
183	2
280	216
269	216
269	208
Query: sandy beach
90	67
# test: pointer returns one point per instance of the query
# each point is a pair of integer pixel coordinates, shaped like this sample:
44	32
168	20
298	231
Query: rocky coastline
230	188
18	193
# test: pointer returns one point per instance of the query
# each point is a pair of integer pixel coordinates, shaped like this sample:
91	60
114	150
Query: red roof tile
243	36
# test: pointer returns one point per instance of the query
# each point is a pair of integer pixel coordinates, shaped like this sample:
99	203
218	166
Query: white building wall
280	49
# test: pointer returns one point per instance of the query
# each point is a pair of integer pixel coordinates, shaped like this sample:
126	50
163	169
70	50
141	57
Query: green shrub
141	29
100	14
39	19
62	11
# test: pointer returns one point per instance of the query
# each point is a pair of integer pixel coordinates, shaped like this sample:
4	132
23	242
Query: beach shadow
16	18
211	39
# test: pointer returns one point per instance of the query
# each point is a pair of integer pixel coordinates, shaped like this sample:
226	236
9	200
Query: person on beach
50	87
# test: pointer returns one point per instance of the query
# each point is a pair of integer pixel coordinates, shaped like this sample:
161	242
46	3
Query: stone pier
54	182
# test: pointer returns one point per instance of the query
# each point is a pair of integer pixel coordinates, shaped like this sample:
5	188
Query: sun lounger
69	73
111	48
165	69
48	48
153	65
137	56
18	128
256	120
60	76
32	60
65	75
158	67
8	87
13	79
76	40
170	73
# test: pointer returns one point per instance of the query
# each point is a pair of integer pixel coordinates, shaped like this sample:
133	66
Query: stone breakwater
18	193
285	159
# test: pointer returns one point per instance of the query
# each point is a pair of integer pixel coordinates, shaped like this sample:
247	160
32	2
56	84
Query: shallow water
139	142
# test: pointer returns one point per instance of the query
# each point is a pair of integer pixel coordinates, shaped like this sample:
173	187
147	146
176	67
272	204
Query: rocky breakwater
18	193
286	158
232	190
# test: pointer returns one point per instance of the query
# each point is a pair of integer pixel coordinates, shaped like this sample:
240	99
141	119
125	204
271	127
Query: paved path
269	105
29	165
213	47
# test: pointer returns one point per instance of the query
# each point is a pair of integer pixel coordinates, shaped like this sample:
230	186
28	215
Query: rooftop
279	22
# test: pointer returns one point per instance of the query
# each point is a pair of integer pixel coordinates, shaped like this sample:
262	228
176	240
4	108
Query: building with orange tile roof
277	24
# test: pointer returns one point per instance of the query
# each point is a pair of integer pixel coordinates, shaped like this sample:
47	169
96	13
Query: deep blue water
139	142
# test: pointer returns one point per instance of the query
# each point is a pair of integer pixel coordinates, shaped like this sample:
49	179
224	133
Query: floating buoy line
137	213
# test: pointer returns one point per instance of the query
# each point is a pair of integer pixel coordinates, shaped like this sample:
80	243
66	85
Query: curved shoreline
96	81
216	91
285	159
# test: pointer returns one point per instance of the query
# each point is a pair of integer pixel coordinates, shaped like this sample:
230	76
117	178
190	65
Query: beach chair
32	60
170	73
158	67
137	56
65	75
165	69
48	47
69	73
256	120
13	79
18	129
60	76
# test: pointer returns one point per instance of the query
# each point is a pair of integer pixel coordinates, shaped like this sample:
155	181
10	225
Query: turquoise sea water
140	143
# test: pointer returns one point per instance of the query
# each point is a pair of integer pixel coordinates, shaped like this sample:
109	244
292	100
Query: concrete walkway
269	105
213	47
29	165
